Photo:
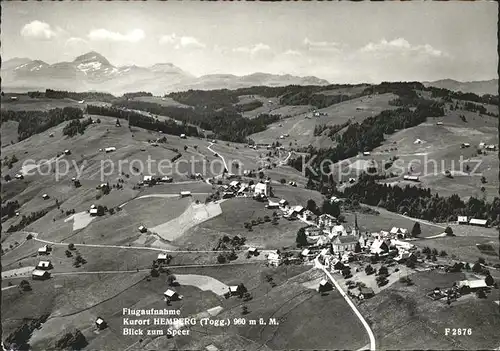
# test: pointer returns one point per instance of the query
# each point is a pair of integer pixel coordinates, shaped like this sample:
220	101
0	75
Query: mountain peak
91	56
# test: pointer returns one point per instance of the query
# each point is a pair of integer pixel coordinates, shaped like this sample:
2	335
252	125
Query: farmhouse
439	123
274	259
234	290
324	285
110	149
473	284
345	243
283	202
272	205
183	136
292	183
411	178
464	145
482	145
478	222
38	274
44	250
313	231
418	141
366	153
147	179
170	295
19	176
67	152
379	246
185	193
338	230
143	229
44	265
166	179
327	220
162	257
45	196
234	184
262	189
295	211
253	251
305	253
227	194
93	212
491	147
100	323
352	180
399	232
462	220
334	200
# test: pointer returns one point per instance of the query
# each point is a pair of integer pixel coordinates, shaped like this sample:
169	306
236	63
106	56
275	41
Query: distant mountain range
479	87
92	71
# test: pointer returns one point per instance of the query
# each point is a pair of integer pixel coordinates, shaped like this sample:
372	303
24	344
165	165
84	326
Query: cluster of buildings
472	221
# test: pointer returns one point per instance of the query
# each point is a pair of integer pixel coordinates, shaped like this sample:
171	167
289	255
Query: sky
343	42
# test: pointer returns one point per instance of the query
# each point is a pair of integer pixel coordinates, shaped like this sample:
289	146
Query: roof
283	201
473	284
233	288
478	221
323	282
252	249
234	183
146	178
346	239
186	192
396	230
275	204
260	187
99	320
297	208
162	256
39	273
462	218
305	252
93	210
338	228
273	256
169	293
43	248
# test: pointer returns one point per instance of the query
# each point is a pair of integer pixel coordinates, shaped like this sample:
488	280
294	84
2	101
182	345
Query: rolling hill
477	87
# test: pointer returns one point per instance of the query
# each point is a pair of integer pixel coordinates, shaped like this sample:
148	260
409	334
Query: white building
345	243
327	220
274	259
110	149
399	232
183	136
44	250
411	178
143	229
402	245
262	189
44	265
462	220
185	193
338	230
479	222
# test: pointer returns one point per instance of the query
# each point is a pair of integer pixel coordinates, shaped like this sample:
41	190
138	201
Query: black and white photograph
249	175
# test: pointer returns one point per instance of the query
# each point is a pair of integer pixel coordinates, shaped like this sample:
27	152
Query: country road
350	303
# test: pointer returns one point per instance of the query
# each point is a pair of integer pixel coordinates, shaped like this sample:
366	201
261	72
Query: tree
416	230
443	253
25	285
7	178
426	250
383	270
477	267
301	238
369	270
332	209
357	247
489	280
481	294
311	206
448	231
71	246
171	279
154	273
244	310
221	258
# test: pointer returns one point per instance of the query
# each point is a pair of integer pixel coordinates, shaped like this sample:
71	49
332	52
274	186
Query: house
185	193
473	284
283	203
143	229
439	123
334	200
45	196
166	179
44	265
366	153
338	230
19	176
405	245
313	231
326	220
479	222
464	145
262	189
306	215
462	220
274	259
365	292
234	184
363	240
183	136
13	98
344	243
418	141
272	205
234	290
162	257
253	251
352	180
491	147
411	178
402	255
67	152
292	183
81	101
147	179
399	232
39	274
171	295
227	194
110	149
243	188
93	212
482	145
100	323
324	285
44	250
295	211
305	252
379	246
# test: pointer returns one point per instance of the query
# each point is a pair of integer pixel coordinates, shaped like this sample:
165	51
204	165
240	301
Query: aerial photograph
253	176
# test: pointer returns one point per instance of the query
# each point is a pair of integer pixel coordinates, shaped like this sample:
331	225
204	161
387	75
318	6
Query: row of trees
10	208
76	127
34	122
140	120
419	203
61	94
27	220
225	123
